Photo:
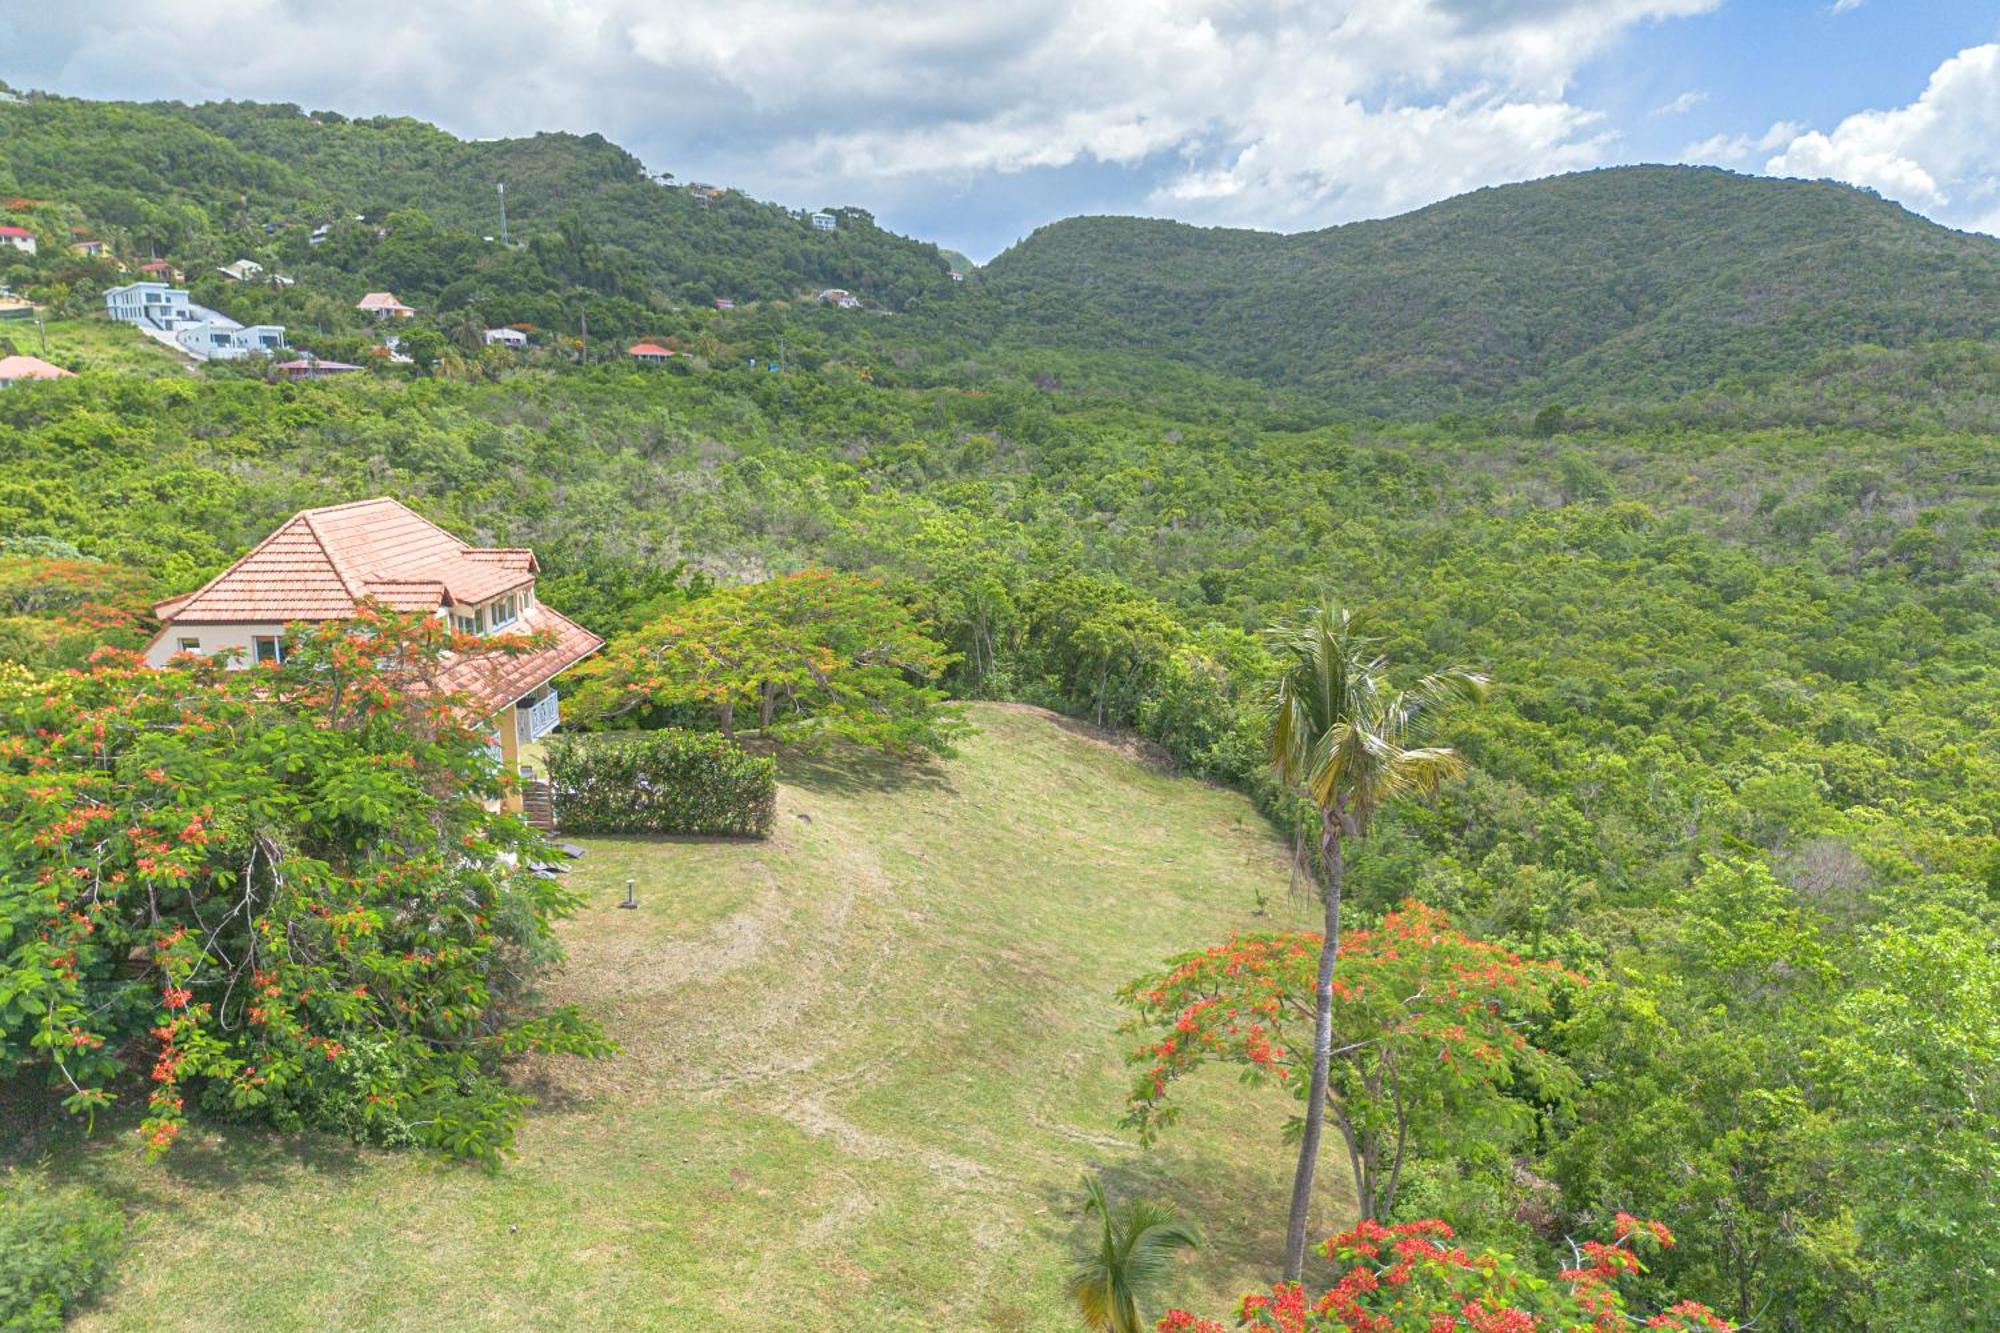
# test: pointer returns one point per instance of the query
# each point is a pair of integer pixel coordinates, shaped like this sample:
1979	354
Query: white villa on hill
19	237
153	303
506	338
321	564
166	315
824	222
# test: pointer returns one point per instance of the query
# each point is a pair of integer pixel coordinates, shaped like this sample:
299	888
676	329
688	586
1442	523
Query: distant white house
153	303
841	297
19	237
320	233
506	338
824	222
384	305
215	340
243	270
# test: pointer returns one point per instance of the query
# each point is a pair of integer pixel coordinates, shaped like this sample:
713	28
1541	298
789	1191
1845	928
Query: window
505	611
267	647
190	645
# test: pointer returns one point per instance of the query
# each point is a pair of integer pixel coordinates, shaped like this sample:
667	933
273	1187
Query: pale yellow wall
225	638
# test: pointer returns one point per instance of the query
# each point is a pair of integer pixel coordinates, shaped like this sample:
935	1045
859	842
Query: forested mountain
214	179
1627	284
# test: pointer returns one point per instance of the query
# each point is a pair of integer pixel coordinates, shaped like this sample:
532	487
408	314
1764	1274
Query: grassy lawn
95	343
864	1065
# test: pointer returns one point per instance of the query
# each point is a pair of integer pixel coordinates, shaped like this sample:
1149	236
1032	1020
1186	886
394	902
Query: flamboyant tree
280	889
1413	1278
797	657
1427	1036
1347	742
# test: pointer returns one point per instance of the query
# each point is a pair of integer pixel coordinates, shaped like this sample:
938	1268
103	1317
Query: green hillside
1636	283
864	1066
209	183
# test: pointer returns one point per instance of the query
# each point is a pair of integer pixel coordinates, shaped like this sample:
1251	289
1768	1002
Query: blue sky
973	124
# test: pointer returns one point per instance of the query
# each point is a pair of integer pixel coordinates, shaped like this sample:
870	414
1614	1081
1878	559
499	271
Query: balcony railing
538	719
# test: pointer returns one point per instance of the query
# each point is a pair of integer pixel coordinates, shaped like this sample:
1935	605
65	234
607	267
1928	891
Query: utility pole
781	356
586	338
502	187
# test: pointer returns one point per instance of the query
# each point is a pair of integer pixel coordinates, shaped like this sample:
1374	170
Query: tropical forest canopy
1696	468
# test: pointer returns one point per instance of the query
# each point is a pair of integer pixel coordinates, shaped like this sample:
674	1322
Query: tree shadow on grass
1240	1215
210	1157
851	771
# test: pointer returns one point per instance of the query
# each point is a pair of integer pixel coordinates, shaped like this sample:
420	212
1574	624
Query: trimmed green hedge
661	782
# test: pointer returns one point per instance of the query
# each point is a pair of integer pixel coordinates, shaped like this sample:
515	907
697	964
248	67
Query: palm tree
1132	1254
1344	740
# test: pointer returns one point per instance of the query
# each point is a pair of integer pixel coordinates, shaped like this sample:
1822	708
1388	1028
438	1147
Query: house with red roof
322	564
19	237
14	369
651	354
310	367
161	271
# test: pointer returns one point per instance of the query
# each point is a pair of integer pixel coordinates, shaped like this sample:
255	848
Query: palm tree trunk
1302	1182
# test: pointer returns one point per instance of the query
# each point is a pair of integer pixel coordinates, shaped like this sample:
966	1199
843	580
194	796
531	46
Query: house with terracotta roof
322	564
651	354
384	304
159	270
19	237
14	369
310	367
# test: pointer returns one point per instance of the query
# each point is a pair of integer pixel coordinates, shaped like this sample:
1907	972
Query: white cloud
1683	104
1941	153
1846	6
1267	112
1731	150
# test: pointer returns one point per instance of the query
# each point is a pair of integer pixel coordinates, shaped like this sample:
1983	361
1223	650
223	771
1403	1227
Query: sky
972	124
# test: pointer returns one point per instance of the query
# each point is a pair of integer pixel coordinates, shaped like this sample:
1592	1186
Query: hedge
661	782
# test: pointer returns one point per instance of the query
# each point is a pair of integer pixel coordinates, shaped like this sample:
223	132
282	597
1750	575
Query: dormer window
506	611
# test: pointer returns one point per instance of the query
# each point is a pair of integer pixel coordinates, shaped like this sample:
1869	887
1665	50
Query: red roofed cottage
322	563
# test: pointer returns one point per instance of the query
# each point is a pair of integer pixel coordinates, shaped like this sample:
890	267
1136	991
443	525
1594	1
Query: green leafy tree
1343	739
283	888
1135	1246
807	656
1426	1027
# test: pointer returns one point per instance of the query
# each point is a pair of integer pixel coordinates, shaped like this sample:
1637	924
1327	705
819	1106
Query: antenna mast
502	187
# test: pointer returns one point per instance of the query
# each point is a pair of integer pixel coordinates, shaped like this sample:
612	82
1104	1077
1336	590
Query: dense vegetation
1629	284
1736	789
664	781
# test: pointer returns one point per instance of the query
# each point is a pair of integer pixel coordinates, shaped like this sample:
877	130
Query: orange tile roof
30	368
492	681
321	563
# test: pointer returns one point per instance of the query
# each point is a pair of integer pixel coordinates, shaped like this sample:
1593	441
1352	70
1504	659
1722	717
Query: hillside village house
87	248
243	270
322	563
220	340
310	367
651	354
159	270
384	304
19	237
824	222
14	369
506	338
153	303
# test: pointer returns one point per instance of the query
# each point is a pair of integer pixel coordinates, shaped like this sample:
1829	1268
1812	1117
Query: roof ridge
356	587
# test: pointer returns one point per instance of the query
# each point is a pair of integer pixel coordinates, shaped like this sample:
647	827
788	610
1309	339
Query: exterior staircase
538	806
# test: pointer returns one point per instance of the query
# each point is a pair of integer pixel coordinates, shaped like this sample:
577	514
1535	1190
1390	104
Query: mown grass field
864	1066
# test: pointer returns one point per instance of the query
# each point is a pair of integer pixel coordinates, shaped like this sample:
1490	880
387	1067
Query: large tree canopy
282	886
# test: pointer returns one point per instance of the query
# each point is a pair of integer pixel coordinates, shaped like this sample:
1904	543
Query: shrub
662	782
282	888
54	1247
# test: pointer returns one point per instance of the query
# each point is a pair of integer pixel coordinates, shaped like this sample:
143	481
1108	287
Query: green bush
54	1247
661	782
